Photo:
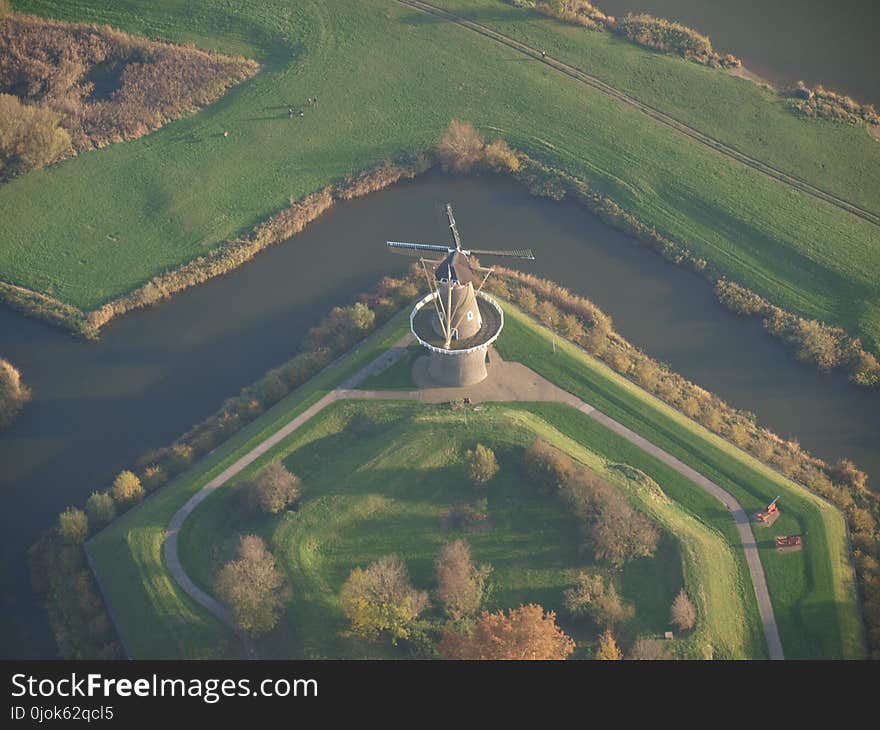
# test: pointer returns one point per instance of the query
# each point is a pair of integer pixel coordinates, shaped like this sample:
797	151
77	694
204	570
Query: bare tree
683	613
461	585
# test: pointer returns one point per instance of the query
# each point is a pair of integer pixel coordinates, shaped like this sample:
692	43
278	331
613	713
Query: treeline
815	342
841	483
71	87
13	393
661	35
59	570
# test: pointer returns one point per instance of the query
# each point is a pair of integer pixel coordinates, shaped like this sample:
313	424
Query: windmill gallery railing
428	298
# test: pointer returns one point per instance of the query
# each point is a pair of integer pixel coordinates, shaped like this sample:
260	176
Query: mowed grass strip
812	591
92	228
382	489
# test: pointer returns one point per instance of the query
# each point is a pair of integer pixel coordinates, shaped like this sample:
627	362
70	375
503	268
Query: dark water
98	406
836	44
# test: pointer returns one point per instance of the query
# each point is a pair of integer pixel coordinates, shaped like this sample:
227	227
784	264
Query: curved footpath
509	381
667	120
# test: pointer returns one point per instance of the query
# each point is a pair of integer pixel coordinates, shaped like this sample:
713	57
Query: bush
592	596
13	393
480	465
30	137
461	148
73	526
127	489
101	509
274	489
546	466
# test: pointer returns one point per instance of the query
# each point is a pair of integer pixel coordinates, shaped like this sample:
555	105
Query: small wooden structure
768	515
789	543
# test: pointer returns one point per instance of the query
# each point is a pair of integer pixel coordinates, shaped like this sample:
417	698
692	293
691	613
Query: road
696	135
508	381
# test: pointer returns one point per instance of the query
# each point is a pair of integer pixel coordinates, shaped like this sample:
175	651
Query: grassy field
97	226
378	477
812	591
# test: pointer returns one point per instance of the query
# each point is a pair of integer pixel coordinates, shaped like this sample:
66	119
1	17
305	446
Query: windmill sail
416	249
517	253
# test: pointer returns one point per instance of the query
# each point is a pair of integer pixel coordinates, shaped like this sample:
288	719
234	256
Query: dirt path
663	118
508	381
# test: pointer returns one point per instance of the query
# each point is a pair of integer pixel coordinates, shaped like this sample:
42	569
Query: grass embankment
812	591
157	618
378	477
93	228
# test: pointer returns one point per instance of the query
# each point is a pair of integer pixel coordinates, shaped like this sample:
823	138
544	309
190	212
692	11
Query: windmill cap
455	267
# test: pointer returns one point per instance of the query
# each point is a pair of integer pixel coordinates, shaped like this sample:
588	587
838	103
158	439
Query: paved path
508	381
663	118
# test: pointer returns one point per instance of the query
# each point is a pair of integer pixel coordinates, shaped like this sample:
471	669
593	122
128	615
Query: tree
608	649
362	317
500	158
30	137
100	508
73	526
617	532
683	613
526	632
252	587
547	466
461	585
127	488
480	465
592	597
274	489
461	147
380	599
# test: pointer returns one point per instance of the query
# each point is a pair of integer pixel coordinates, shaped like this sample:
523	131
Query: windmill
463	333
456	281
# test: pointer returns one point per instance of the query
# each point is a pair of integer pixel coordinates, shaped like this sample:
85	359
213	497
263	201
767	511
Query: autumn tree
461	147
480	465
274	489
461	585
30	137
683	613
619	533
500	158
594	597
252	587
127	488
380	599
73	526
526	632
100	509
608	649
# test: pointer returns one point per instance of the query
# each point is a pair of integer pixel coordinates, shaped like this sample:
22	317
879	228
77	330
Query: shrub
379	599
500	158
101	509
466	516
13	393
592	596
526	632
30	137
480	465
127	489
546	466
461	147
252	587
73	526
274	489
649	650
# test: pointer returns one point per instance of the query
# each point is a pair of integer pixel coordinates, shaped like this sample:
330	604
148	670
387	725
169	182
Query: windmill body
457	321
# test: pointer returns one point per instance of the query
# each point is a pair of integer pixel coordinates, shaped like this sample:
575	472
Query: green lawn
176	193
377	478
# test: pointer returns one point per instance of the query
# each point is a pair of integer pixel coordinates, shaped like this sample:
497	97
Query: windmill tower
457	321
